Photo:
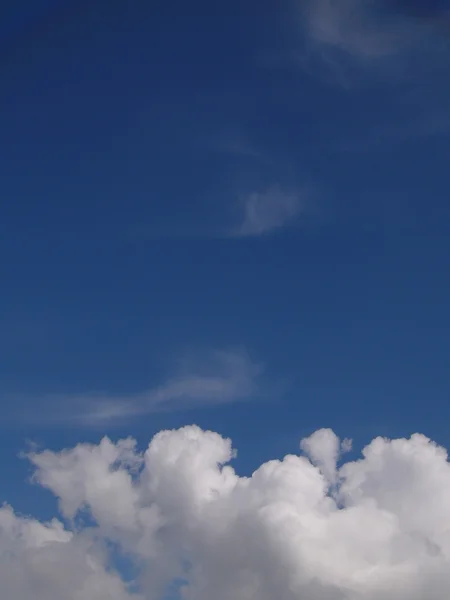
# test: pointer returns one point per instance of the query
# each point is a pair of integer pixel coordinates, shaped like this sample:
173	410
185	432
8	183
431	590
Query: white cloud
221	377
369	32
44	562
323	448
268	211
373	529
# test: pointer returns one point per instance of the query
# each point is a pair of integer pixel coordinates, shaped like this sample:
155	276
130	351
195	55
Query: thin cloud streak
225	377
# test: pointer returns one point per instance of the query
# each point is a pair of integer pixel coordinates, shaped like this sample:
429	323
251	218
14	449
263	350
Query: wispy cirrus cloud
220	377
265	212
401	47
351	26
251	215
368	33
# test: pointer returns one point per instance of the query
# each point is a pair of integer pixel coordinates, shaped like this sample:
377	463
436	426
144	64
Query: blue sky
230	215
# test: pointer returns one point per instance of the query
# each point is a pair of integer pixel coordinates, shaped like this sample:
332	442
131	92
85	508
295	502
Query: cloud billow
303	528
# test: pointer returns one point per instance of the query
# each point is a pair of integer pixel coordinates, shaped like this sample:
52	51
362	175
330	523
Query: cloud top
374	528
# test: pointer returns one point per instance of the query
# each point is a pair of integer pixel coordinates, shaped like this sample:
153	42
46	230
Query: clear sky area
224	300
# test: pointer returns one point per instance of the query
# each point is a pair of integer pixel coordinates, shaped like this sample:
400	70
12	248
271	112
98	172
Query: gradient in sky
235	215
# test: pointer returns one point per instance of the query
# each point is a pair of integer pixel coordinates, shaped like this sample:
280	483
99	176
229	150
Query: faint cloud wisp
268	211
369	33
350	26
222	377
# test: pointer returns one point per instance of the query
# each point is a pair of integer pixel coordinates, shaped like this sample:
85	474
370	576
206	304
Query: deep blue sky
133	133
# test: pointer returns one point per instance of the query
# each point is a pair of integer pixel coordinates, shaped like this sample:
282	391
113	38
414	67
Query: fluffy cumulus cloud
178	522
